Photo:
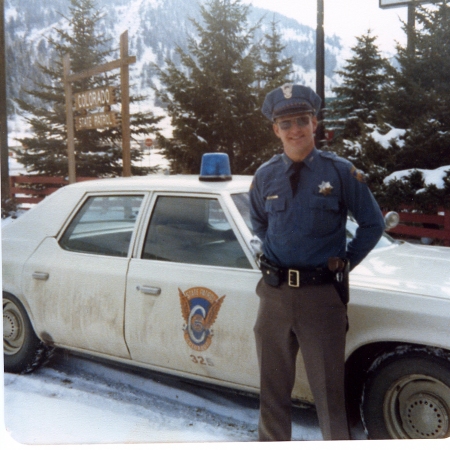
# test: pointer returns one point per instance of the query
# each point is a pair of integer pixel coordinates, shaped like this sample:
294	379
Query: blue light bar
215	167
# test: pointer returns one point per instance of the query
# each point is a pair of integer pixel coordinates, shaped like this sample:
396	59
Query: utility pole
3	109
320	70
411	47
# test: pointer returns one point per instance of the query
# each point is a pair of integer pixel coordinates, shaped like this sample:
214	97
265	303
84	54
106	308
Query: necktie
294	178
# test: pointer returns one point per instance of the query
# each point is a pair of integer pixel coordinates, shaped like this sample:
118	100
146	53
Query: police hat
290	99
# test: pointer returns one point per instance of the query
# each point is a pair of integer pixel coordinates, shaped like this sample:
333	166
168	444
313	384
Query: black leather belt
297	278
275	275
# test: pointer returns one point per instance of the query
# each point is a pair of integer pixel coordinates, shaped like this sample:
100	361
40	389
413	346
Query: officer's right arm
258	214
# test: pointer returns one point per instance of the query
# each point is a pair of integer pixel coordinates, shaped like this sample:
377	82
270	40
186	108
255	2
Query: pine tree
97	152
358	98
274	70
419	97
214	100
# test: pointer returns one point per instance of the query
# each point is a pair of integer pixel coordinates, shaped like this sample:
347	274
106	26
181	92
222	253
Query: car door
191	302
77	282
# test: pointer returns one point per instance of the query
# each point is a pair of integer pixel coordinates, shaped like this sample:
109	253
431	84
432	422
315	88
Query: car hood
416	269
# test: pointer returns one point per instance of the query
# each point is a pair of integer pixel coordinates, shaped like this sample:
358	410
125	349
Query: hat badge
287	90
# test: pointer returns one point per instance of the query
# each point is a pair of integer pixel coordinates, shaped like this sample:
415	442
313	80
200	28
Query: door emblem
199	307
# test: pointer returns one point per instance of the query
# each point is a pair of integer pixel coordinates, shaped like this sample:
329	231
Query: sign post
411	4
124	83
96	98
69	120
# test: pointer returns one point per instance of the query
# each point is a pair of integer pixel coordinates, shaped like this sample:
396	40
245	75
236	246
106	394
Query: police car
160	272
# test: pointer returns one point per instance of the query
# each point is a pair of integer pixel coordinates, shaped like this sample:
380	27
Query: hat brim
289	110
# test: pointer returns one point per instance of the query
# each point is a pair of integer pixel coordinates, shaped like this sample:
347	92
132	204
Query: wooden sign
94	121
95	98
384	4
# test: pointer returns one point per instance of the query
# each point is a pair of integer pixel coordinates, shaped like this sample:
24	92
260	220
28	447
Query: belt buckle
294	278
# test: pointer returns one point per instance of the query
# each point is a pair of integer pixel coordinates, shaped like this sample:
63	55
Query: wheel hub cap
10	326
425	416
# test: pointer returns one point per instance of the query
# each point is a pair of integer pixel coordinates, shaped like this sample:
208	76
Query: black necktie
295	176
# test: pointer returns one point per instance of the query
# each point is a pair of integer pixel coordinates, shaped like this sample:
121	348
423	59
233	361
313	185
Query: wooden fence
30	189
417	225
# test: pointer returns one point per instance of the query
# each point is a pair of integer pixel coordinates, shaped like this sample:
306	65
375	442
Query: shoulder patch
358	174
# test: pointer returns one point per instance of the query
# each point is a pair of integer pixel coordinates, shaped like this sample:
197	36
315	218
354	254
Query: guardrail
417	225
31	189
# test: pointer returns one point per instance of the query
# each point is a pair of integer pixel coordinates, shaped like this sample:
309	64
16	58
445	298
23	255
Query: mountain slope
156	28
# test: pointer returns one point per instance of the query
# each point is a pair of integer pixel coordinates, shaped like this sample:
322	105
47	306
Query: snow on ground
74	400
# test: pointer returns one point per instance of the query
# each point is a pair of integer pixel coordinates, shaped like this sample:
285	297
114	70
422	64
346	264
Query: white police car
159	272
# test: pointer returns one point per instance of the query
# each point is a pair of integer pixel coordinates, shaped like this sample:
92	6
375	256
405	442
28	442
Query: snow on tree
354	114
418	99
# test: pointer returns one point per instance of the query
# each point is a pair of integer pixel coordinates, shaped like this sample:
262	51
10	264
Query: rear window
104	225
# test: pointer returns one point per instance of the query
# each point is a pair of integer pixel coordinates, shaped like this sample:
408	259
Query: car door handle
149	290
40	275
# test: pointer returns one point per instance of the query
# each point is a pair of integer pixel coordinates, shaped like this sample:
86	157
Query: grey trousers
312	319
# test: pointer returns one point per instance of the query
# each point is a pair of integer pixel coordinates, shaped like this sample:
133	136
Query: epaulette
334	157
345	166
271	161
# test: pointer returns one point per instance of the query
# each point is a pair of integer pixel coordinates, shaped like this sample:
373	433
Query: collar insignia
325	188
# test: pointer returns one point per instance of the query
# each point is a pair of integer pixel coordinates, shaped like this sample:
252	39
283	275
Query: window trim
145	223
82	201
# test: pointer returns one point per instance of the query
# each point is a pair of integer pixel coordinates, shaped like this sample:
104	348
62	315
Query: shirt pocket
325	216
275	207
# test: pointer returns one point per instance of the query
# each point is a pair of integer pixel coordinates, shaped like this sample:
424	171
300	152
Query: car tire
23	351
407	395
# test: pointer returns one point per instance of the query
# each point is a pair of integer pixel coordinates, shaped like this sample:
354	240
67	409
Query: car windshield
242	202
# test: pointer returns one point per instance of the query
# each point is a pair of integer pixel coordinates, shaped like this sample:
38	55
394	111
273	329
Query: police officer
299	205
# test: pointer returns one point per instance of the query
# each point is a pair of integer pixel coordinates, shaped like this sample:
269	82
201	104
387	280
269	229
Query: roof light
215	167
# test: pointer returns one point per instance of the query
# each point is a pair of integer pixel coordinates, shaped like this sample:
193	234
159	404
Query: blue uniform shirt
304	230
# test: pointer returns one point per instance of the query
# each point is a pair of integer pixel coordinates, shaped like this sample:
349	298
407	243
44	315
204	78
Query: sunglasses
301	121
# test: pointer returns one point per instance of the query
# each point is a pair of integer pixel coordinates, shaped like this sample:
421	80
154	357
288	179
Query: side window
192	231
103	225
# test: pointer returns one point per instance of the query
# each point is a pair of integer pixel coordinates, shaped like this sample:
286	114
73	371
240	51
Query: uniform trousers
312	319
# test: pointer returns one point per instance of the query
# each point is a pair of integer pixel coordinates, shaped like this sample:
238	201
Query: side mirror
391	220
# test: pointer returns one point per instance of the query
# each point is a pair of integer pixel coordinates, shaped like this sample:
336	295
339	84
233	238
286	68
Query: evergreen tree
274	70
358	97
419	97
97	152
214	101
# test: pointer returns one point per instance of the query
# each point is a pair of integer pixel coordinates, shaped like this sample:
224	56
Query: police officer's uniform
301	232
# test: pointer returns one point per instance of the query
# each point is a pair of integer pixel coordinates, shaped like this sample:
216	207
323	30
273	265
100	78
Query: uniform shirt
304	230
